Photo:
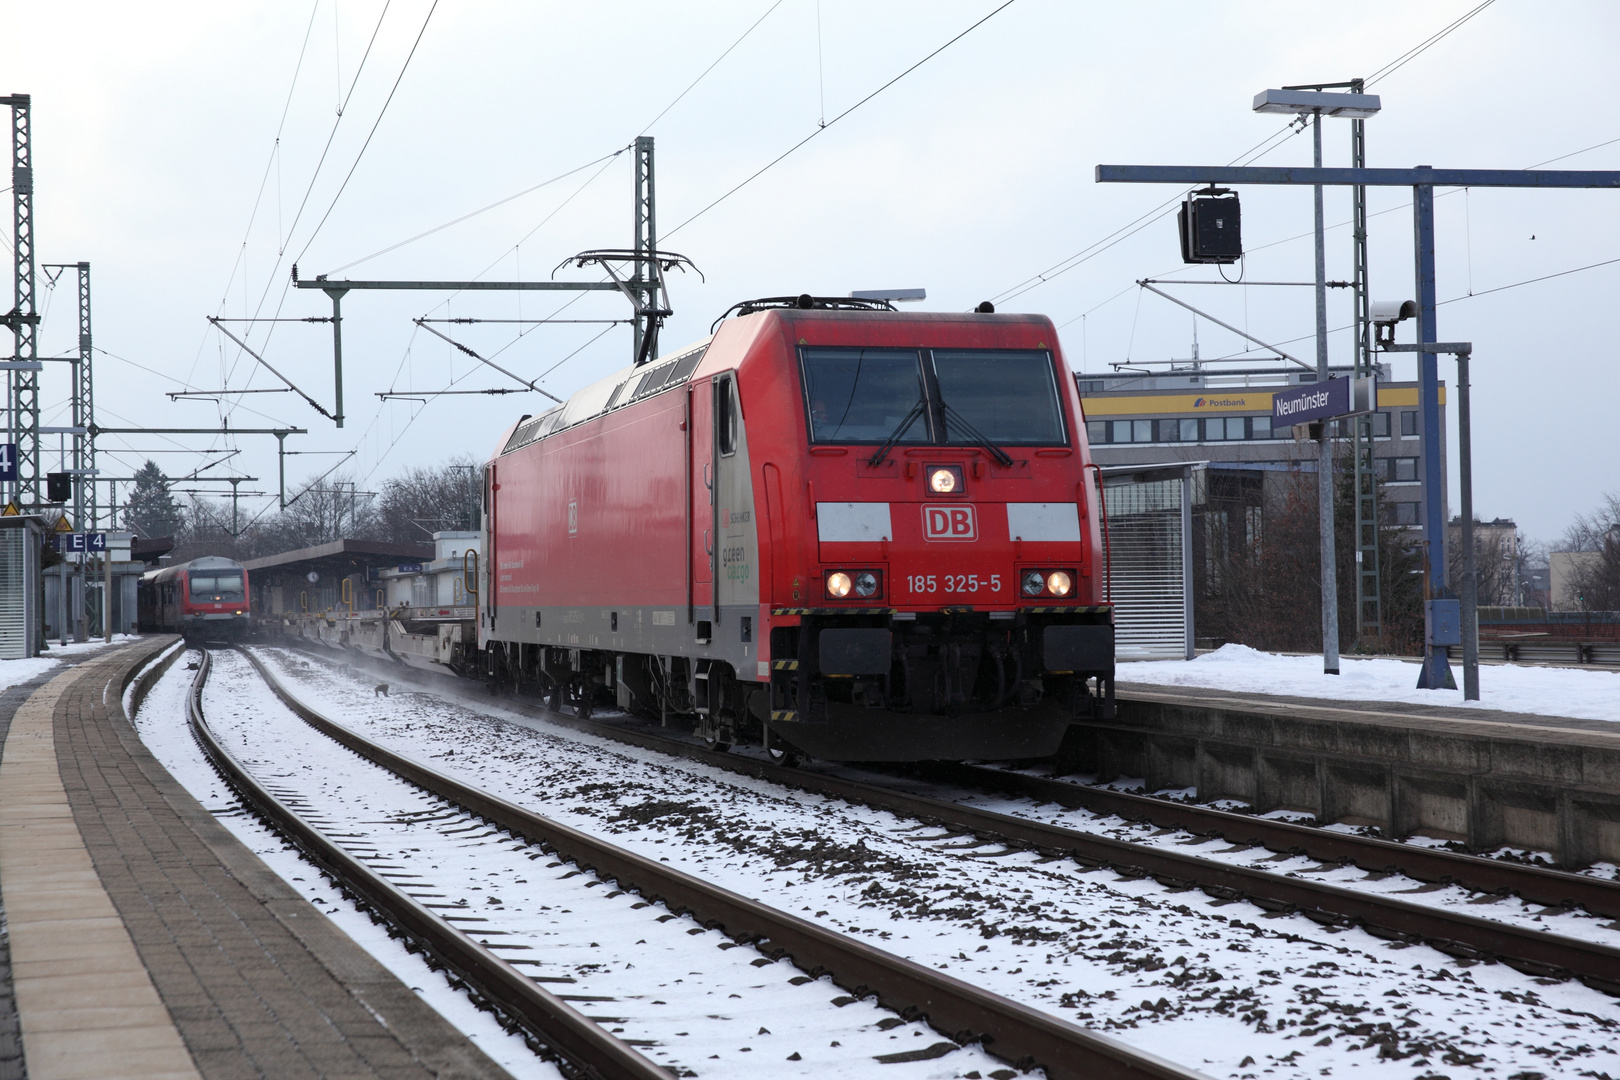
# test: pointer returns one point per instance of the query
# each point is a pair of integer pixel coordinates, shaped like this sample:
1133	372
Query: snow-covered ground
13	672
1542	691
1218	985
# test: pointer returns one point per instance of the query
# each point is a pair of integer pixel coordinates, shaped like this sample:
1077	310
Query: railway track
1534	952
1019	1034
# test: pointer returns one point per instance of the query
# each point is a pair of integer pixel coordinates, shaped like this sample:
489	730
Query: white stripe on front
1043	521
853	522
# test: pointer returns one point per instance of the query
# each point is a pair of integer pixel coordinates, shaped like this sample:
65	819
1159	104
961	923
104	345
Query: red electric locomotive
833	528
204	599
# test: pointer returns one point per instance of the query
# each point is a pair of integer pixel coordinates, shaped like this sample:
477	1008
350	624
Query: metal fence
1150	566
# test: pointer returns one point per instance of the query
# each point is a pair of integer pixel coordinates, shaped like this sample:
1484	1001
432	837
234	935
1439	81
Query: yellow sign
63	525
11	510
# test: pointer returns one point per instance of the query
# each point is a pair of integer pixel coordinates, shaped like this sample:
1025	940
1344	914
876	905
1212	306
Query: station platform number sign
8	462
93	543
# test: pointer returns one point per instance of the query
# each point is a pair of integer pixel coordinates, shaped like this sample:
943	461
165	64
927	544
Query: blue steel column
1436	673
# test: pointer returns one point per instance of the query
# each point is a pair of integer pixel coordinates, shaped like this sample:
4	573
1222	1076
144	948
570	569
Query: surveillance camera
1390	312
1385	314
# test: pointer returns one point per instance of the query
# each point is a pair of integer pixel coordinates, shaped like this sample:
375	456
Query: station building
1224	418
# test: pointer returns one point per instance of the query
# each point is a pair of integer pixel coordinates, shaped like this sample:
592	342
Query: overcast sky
158	159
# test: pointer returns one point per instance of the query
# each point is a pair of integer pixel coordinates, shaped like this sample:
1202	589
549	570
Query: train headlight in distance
944	479
1058	583
866	583
1033	583
838	584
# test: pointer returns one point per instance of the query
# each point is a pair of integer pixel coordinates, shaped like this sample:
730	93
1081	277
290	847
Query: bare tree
1596	580
422	501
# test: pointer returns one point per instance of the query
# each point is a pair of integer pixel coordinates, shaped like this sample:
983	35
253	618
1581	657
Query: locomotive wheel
582	707
555	701
784	755
719	746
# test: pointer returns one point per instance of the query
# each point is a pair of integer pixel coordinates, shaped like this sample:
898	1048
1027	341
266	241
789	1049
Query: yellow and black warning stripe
785	665
1069	609
783	715
833	611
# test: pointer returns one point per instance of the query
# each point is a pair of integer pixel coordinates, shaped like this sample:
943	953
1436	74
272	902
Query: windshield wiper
899	433
977	436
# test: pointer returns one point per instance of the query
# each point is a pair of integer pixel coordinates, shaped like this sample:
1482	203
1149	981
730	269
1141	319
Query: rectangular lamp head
1349	106
899	296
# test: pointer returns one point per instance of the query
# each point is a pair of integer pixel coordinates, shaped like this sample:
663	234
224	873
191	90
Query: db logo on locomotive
950	523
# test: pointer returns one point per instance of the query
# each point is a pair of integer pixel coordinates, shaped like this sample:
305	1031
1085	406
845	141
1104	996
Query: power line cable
482	210
380	114
1422	47
823	127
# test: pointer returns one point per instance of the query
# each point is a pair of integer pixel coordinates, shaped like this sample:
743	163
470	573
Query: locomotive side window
864	395
1009	396
725	423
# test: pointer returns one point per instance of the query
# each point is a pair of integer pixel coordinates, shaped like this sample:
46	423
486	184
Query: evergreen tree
151	510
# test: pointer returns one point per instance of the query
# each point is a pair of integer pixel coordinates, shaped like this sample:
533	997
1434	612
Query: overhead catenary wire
370	134
768	166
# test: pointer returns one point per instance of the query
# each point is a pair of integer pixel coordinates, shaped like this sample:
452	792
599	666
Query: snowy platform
1534	765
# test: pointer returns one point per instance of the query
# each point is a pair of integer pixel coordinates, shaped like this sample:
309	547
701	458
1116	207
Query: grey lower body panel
651	630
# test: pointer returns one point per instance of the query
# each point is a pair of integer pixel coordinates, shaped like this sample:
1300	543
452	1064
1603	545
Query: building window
1169	430
1224	427
1380	425
1262	427
1409	425
1120	431
1403	469
1403	513
1096	431
1091	386
1189	429
1141	431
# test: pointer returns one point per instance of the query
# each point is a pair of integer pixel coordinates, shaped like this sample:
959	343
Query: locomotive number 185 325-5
953	583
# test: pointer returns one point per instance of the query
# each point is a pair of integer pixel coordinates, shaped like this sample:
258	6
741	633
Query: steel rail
1538	884
1535	952
581	1043
1010	1030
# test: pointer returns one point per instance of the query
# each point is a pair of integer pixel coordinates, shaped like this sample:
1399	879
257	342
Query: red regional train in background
205	599
831	528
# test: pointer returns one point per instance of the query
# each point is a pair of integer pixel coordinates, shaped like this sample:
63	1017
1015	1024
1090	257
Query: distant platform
1515	776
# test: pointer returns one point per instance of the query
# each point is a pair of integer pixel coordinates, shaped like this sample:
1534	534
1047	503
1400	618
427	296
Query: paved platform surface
146	941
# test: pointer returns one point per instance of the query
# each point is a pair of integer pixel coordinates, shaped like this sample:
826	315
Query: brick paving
12	1066
258	982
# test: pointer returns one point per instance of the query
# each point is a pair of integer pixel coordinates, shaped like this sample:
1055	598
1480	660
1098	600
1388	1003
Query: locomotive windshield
219	585
863	395
1009	397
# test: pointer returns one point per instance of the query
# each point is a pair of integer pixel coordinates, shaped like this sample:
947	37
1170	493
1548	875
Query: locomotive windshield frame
856	396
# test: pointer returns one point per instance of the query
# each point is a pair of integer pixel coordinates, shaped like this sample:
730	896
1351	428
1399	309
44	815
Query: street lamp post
1314	103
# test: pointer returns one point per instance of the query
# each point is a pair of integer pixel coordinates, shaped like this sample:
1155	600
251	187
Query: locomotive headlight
838	584
1058	583
1033	583
866	583
943	480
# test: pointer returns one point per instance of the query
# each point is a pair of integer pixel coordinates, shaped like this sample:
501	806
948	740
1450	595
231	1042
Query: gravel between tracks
1222	986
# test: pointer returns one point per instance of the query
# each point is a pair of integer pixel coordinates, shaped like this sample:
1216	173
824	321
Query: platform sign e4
8	461
956	522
